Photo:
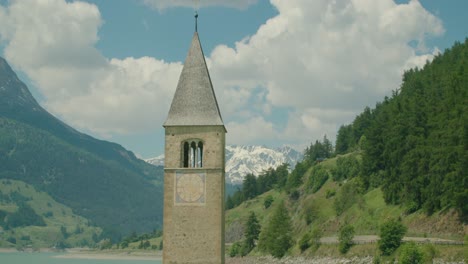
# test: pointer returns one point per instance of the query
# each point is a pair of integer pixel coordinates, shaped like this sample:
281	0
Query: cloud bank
318	63
53	43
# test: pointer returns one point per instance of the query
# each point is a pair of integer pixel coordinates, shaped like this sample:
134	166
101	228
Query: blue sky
285	72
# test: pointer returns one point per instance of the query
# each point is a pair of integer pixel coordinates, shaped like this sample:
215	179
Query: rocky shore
319	260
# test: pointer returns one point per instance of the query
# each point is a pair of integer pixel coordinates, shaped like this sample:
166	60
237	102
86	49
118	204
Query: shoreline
77	253
80	253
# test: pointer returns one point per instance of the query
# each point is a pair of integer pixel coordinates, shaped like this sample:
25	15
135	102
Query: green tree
252	231
345	238
276	236
229	203
391	234
344	139
24	216
295	177
249	186
282	173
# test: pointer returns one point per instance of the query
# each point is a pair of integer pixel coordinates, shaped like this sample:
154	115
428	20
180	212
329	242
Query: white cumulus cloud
196	4
321	57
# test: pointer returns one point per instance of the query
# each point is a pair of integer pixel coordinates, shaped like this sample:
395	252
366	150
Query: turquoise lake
49	258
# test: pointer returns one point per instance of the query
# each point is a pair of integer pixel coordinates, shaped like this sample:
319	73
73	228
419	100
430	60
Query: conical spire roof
194	102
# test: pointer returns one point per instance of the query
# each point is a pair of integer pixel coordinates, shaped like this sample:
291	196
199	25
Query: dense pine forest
415	142
413	145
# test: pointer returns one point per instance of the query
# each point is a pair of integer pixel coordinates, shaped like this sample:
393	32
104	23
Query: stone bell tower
194	168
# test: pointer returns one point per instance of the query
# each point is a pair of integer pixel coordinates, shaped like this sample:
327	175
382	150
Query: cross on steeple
196	21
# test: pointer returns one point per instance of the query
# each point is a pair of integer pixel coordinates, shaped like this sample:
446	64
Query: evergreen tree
229	203
275	238
416	141
249	186
252	231
282	175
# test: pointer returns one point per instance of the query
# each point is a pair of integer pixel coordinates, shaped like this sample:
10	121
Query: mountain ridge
249	159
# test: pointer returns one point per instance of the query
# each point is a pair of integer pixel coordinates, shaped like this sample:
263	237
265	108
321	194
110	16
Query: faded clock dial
190	187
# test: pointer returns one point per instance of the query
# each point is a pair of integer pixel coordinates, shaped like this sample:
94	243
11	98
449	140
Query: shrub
317	179
235	249
294	195
330	193
391	234
268	201
304	242
430	252
347	167
410	254
105	244
11	240
376	260
345	238
315	236
124	244
62	245
311	213
349	195
48	214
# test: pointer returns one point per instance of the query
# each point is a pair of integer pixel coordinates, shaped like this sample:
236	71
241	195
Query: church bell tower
194	168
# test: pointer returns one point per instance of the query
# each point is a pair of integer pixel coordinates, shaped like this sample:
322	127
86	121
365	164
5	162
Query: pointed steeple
194	102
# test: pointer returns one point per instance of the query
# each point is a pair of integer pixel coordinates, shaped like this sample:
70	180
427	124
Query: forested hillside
401	166
415	143
99	180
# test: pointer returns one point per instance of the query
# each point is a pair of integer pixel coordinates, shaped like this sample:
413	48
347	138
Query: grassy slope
43	204
366	215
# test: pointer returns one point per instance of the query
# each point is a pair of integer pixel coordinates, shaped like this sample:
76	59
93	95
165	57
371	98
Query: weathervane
196	21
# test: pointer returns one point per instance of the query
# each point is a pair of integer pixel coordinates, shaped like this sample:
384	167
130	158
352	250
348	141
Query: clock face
190	188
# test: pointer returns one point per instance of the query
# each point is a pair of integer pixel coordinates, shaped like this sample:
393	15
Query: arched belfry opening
192	153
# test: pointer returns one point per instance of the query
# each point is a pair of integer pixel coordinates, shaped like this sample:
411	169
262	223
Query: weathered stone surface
194	196
195	233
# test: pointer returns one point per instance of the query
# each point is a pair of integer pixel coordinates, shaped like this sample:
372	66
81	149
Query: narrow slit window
193	154
186	155
200	154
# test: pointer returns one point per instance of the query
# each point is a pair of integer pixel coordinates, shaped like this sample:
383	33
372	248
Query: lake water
50	258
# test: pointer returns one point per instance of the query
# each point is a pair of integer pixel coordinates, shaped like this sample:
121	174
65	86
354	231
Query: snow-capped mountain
157	161
242	160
